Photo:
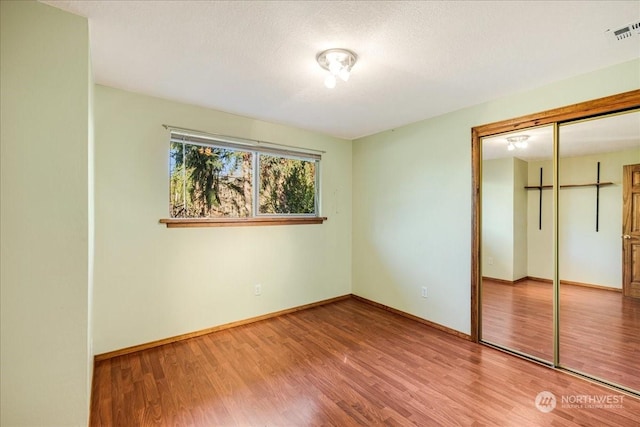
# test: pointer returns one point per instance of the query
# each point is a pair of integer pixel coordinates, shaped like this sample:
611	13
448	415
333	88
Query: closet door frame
620	103
607	105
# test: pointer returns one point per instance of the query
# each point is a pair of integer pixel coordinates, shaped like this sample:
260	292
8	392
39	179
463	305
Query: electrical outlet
490	260
424	292
257	290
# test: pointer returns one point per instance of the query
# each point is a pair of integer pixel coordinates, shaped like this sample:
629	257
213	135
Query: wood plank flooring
519	316
342	364
599	329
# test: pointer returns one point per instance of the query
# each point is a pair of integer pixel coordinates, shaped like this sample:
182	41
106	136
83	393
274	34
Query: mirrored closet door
517	242
599	323
556	238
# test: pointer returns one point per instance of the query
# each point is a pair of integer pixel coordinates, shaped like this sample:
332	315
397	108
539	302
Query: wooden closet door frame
607	105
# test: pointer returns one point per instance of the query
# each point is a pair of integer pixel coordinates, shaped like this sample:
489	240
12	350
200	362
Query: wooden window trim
240	222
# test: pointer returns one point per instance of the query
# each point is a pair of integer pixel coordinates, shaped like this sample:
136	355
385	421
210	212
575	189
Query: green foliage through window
287	186
211	181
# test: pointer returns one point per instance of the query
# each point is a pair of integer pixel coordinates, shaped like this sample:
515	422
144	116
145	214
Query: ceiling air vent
627	31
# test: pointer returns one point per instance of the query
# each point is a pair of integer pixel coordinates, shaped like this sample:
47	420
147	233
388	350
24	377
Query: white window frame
256	148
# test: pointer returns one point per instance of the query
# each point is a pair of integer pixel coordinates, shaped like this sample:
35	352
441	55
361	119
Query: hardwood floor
345	363
599	329
519	316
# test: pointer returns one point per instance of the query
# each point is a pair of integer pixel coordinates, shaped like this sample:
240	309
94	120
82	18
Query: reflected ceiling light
339	63
519	141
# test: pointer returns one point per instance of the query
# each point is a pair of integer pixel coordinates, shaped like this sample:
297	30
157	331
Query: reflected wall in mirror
599	326
517	242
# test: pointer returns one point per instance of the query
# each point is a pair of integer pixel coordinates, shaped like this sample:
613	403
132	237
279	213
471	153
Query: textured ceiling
416	59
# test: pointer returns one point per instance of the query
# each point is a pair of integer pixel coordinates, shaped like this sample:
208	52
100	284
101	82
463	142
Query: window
230	178
287	185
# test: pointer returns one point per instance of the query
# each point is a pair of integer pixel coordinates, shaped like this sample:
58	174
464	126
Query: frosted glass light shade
330	81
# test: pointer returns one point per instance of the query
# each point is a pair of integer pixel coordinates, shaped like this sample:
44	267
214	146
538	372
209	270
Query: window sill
239	222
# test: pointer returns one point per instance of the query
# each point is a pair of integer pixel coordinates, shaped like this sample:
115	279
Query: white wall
585	256
497	218
540	240
91	228
152	282
520	208
504	218
412	199
44	216
510	219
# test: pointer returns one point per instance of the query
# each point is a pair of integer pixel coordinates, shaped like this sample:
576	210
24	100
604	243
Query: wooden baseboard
570	283
505	282
182	337
415	318
157	343
589	285
539	279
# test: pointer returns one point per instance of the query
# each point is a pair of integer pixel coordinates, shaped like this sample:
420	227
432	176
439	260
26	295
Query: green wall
45	216
412	199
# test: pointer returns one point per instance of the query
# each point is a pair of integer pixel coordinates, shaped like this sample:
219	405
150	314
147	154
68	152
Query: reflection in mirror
517	248
599	326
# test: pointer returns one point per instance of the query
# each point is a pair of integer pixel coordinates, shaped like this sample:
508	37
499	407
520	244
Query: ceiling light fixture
338	62
519	141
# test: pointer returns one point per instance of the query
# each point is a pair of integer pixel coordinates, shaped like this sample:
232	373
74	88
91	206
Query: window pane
287	186
177	181
209	182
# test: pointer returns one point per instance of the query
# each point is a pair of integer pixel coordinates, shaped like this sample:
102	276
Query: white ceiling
416	59
606	134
